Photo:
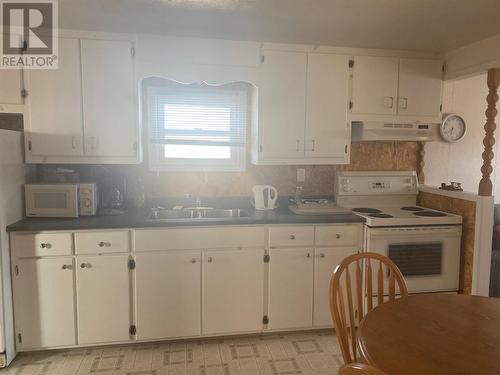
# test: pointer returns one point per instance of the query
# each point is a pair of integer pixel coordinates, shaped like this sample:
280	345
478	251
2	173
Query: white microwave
61	200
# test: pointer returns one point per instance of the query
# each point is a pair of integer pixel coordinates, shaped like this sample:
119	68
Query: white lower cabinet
233	290
290	288
325	262
44	303
76	292
103	290
168	290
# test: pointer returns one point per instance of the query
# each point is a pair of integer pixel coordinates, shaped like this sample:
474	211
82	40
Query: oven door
428	257
51	200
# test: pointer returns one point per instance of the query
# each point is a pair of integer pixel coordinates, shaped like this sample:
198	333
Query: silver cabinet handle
73	142
102	244
67	267
404	103
298	145
193	260
292	237
322	255
45	245
210	259
308	255
85	265
313	145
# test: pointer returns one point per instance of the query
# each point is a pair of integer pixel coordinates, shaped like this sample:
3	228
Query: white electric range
424	243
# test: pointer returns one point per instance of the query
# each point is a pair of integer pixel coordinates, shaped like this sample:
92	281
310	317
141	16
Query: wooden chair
360	369
351	297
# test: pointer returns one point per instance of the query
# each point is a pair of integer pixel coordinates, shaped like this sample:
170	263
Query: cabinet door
290	288
420	87
283	104
11	80
103	299
109	98
233	291
327	133
55	105
326	259
168	289
44	303
11	84
375	85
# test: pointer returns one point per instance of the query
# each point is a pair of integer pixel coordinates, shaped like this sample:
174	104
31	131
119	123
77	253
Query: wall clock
453	128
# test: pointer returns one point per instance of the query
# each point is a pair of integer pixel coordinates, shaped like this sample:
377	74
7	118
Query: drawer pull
210	260
193	260
102	244
45	245
67	267
86	265
322	255
308	255
337	235
292	237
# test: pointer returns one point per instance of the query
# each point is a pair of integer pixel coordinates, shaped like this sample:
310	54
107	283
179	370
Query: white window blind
194	127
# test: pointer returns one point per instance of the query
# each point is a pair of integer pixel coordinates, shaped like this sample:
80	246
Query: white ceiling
436	25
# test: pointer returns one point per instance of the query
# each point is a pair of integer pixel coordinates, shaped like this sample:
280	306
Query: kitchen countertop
139	219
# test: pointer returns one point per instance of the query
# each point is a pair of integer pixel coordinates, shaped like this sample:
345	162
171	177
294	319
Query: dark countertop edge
107	222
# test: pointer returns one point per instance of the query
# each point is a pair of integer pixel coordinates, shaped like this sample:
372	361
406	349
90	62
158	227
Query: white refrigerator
12	178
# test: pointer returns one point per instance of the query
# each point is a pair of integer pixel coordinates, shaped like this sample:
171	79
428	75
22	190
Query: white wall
462	161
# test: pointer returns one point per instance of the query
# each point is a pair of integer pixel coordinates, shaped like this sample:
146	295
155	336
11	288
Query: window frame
159	163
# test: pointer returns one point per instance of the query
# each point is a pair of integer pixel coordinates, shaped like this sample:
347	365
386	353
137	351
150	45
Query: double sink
158	214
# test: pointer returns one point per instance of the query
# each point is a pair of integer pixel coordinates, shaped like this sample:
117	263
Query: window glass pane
197	152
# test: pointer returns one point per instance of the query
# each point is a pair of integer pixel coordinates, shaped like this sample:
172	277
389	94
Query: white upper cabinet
375	85
12	84
109	104
282	105
86	110
303	104
327	133
397	87
420	87
55	124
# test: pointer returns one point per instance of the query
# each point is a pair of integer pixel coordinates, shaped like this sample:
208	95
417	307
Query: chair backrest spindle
345	282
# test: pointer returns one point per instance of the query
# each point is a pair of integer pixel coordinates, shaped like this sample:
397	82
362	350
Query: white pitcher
265	197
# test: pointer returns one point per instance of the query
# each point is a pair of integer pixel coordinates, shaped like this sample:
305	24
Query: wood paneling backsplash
319	179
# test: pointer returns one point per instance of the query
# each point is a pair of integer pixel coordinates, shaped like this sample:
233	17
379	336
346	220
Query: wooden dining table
433	334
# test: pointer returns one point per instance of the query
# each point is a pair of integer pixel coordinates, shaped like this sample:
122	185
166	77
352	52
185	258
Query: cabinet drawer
102	242
338	235
291	236
41	244
198	238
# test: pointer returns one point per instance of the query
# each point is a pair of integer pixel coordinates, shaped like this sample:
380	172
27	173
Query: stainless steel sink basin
230	213
193	214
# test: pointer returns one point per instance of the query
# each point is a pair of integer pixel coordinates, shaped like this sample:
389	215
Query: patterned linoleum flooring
306	353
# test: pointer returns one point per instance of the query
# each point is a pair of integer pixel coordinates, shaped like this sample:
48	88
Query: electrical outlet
301	175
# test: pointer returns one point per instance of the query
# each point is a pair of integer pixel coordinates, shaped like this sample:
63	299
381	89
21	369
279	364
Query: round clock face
453	128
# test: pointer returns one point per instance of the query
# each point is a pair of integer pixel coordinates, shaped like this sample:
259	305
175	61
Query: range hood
388	131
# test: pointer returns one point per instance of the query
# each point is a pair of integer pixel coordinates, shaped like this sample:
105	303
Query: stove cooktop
391	216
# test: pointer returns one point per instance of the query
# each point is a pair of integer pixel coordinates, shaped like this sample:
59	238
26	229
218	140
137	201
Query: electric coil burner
412	208
381	216
429	213
365	210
